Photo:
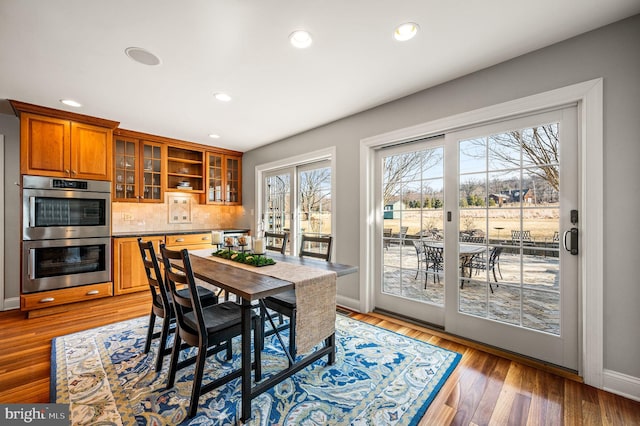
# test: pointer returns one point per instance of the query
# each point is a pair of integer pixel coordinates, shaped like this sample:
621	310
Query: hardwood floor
484	389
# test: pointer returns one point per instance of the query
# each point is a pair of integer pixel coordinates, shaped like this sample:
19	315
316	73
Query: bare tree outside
405	167
540	147
315	198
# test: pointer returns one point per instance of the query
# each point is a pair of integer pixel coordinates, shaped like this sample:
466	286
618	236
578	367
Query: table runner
315	297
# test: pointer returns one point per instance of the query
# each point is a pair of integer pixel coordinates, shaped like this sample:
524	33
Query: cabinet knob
93	292
73	172
179	240
67	172
47	299
205	238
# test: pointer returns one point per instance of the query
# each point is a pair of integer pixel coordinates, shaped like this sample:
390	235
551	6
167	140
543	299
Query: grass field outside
496	223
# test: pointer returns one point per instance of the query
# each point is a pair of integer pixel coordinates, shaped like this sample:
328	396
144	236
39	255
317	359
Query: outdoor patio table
252	286
465	251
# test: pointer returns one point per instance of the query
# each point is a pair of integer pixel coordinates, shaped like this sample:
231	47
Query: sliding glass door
473	230
298	200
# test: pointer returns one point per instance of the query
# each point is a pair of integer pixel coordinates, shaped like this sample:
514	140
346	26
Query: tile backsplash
133	217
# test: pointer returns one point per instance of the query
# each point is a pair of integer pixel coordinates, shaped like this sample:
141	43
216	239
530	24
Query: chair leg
152	323
197	380
229	350
166	323
175	354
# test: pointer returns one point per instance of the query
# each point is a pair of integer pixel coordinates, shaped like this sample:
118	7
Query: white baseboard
11	303
349	303
622	384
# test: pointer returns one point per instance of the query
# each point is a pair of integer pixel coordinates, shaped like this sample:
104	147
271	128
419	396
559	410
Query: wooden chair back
159	293
276	241
309	242
184	302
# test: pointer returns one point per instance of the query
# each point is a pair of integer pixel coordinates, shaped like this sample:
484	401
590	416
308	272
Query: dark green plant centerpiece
246	258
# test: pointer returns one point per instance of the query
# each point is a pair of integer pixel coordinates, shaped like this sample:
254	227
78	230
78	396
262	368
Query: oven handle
32	212
31	263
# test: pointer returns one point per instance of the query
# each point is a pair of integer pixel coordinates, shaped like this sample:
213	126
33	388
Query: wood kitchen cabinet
128	270
185	169
34	302
189	241
138	169
61	144
224	179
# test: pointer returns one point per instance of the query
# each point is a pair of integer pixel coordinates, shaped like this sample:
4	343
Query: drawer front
46	299
188	239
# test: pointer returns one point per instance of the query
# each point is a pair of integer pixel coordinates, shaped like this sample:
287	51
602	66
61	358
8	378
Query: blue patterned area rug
379	378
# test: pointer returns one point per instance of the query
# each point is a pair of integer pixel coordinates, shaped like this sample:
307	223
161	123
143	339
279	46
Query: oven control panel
69	184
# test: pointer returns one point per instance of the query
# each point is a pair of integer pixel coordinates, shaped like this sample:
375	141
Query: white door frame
2	224
589	95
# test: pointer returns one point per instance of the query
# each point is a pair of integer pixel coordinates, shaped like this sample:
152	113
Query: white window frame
589	95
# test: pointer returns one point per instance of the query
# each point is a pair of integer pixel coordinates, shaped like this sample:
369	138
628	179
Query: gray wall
611	53
10	128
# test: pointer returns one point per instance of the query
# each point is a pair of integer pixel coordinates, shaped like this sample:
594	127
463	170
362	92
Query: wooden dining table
251	286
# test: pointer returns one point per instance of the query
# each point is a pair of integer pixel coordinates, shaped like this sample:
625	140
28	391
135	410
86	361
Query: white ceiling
55	49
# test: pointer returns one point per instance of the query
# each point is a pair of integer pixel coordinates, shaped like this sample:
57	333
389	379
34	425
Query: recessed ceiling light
406	31
214	136
300	39
142	56
223	97
71	103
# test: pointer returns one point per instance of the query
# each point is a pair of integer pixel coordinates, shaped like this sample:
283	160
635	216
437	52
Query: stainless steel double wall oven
66	233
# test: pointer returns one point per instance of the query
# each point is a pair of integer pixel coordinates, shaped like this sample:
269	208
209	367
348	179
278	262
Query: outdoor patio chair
524	237
420	254
386	237
491	264
471	239
434	262
403	234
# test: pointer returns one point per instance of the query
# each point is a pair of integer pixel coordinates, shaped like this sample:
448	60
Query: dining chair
276	241
318	247
161	306
210	329
285	303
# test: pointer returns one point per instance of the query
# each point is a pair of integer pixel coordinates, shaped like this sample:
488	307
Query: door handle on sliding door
573	233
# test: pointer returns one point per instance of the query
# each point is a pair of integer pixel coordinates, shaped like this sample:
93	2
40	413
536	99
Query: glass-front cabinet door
223	179
151	172
232	186
137	170
125	180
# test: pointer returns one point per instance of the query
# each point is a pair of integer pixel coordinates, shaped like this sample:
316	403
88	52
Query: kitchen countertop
130	234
